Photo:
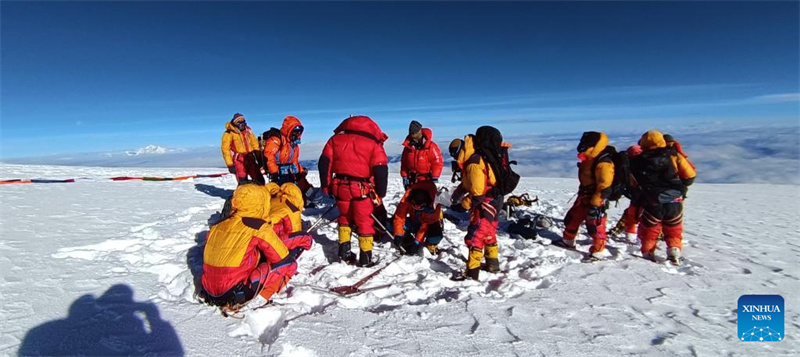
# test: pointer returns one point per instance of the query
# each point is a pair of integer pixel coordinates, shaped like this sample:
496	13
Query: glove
398	243
232	169
326	192
595	214
413	248
406	182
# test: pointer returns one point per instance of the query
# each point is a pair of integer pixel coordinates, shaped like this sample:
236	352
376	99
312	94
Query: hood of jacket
652	140
362	124
466	151
595	150
251	200
427	134
289	123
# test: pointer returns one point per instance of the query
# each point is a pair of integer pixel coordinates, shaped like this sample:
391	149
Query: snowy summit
148	150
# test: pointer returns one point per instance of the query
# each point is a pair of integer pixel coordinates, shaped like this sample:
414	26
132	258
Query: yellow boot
474	263
492	261
365	254
345	255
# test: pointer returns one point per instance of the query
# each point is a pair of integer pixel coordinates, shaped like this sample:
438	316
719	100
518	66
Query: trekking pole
315	224
379	223
572	198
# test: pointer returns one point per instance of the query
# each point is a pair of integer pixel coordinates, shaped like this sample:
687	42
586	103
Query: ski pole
315	224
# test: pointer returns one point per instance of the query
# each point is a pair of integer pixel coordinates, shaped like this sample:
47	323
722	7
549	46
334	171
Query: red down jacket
356	151
426	160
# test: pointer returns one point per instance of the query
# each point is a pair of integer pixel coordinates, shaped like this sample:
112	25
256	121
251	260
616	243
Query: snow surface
104	267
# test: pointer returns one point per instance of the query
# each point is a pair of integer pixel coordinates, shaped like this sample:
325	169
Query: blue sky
100	76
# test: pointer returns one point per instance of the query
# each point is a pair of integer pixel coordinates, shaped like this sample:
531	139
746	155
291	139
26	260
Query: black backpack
654	172
620	186
488	144
270	133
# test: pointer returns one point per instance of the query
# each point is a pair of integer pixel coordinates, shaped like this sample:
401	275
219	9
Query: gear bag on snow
620	185
489	145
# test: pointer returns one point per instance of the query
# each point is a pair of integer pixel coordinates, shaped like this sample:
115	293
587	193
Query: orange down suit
281	156
662	197
595	177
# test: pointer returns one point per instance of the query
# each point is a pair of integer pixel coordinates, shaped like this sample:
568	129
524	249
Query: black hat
589	139
419	197
668	138
455	147
414	127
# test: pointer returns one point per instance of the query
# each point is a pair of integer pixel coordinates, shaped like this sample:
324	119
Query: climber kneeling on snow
417	221
486	178
285	213
662	175
243	256
282	154
240	151
353	168
596	175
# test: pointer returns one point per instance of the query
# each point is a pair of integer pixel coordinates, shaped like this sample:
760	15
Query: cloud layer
722	155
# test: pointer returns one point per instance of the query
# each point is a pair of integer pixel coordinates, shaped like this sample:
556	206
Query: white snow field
99	267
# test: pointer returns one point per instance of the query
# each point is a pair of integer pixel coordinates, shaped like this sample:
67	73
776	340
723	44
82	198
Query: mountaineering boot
492	263
674	255
472	273
365	259
365	254
598	256
565	243
345	255
651	256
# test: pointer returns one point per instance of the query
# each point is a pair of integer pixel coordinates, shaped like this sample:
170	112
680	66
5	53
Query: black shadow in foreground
111	325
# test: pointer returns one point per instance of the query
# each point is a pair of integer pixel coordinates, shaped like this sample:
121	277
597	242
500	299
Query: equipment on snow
512	202
354	289
524	227
318	221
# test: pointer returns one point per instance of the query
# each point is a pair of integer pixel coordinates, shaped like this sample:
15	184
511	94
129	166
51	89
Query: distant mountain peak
148	150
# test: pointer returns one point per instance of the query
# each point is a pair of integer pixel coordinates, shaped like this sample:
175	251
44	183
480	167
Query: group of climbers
254	250
276	153
658	176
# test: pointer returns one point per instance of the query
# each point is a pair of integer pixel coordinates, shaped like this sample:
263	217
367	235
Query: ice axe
354	289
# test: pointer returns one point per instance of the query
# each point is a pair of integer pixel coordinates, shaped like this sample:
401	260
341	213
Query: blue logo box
761	318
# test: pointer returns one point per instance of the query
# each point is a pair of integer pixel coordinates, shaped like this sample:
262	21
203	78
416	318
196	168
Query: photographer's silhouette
111	325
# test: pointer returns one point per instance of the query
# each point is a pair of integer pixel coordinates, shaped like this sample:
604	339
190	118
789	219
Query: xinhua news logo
761	318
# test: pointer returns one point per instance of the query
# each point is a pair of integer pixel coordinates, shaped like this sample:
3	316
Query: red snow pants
631	217
245	165
270	280
577	215
658	217
352	198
